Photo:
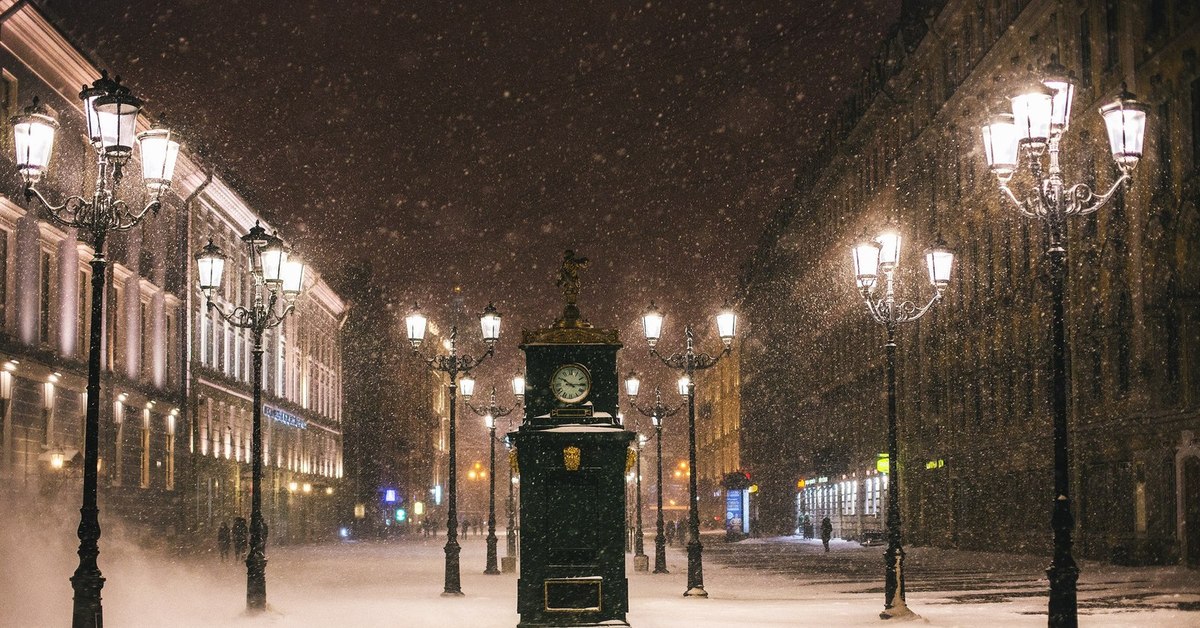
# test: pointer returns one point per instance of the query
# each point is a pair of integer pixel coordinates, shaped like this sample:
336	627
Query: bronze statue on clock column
572	457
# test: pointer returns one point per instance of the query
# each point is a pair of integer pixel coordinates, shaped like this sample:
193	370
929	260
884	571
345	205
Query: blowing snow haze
470	143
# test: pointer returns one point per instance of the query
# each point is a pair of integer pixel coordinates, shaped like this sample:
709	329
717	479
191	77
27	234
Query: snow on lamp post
112	112
1040	117
278	278
455	366
490	413
875	259
687	363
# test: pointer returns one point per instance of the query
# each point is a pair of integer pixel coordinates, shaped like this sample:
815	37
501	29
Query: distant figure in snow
670	533
466	527
826	532
224	540
239	537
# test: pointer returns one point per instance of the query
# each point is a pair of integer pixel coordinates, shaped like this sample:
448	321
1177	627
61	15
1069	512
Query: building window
85	312
1112	53
145	341
3	276
1195	125
145	480
117	359
1085	49
46	282
119	458
170	452
169	348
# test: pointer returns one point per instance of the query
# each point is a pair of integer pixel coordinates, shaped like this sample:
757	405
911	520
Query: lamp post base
899	612
696	592
492	569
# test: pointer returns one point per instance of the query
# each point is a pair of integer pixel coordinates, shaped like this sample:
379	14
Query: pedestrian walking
670	533
466	527
239	538
224	540
826	532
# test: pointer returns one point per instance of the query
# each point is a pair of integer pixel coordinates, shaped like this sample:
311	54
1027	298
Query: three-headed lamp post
688	362
657	413
490	413
1031	133
455	366
111	113
278	278
874	257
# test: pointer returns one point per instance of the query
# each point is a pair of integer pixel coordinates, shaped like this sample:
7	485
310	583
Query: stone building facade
974	380
175	398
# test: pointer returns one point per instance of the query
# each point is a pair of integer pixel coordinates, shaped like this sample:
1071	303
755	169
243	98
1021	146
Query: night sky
470	143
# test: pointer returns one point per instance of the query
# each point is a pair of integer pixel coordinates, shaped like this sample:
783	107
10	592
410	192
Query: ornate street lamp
1040	117
657	413
881	256
278	278
490	413
112	113
640	560
688	362
455	367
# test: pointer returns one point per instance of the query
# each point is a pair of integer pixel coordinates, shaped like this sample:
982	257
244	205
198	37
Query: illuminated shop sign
287	418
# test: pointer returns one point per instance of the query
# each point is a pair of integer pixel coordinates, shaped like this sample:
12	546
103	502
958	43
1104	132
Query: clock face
570	383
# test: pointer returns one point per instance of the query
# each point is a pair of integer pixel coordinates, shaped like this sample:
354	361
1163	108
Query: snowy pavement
781	582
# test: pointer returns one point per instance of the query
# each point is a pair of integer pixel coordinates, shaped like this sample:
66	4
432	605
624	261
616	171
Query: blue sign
389	496
733	509
287	418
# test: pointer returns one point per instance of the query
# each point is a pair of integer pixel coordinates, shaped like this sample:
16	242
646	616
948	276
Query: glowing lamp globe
160	150
1000	145
939	261
652	321
489	324
210	266
33	138
1125	120
632	385
415	324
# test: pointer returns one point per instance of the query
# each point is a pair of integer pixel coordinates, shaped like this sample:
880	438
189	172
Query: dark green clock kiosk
572	457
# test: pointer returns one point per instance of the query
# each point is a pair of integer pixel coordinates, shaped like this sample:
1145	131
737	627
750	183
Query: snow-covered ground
783	582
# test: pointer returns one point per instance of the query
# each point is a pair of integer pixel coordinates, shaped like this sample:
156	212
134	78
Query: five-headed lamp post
454	366
688	362
111	112
872	258
1040	116
657	413
278	278
490	413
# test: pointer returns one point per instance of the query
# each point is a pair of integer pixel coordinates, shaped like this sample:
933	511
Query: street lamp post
112	113
454	365
688	362
639	550
1039	118
657	413
278	277
873	257
490	413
